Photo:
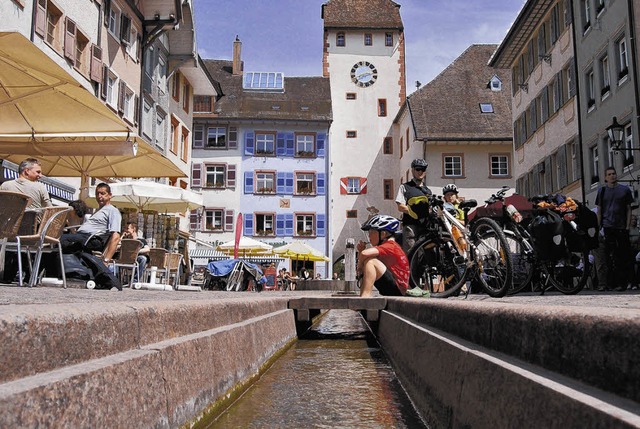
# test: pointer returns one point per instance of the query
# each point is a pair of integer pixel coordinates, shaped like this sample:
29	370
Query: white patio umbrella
143	195
246	246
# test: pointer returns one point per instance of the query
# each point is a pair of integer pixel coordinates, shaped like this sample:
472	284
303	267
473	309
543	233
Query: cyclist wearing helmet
451	201
384	265
412	203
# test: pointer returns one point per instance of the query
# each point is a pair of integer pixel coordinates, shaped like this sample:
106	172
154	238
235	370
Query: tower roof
362	14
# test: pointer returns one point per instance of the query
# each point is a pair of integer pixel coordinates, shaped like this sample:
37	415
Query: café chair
128	257
12	209
158	259
174	261
46	239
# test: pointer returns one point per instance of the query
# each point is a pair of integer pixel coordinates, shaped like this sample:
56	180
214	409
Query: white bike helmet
382	223
450	188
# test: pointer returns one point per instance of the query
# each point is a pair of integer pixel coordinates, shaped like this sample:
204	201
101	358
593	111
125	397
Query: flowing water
336	376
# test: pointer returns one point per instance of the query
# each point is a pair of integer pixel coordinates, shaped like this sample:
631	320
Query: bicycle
449	254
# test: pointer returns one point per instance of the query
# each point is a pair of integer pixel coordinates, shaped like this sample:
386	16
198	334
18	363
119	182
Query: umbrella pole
84	186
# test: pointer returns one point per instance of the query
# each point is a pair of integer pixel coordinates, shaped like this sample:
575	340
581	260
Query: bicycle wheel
522	262
570	273
494	260
435	265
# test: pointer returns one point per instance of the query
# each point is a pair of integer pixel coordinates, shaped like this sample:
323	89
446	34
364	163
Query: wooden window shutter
363	185
196	175
136	110
125	29
344	185
233	138
194	218
70	39
572	80
96	63
41	17
121	94
106	12
548	175
228	220
105	79
561	159
231	176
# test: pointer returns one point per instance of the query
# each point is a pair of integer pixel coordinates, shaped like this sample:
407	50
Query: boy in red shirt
385	265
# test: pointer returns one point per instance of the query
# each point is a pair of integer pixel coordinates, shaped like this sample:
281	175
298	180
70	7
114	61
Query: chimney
237	62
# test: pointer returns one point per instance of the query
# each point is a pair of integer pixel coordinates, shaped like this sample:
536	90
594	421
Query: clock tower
364	60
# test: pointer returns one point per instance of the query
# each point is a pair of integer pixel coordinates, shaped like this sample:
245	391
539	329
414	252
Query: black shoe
620	289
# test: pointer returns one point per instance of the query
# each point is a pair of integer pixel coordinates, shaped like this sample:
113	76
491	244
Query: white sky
286	35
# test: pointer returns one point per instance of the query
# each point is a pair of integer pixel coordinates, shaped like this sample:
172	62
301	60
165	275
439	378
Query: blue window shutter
320	183
281	149
320	225
280	220
320	142
248	182
280	182
248	143
291	144
248	223
288	224
288	184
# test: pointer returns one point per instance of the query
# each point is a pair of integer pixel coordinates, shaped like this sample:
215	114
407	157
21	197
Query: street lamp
616	134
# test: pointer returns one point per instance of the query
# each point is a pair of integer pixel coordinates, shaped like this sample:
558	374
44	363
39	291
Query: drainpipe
577	97
33	21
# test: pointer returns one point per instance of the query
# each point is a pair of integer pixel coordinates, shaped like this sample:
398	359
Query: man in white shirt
30	171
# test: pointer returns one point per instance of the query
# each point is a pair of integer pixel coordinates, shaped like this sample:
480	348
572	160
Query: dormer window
495	83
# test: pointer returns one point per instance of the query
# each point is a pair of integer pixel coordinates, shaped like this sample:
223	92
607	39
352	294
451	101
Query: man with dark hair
30	171
104	225
614	216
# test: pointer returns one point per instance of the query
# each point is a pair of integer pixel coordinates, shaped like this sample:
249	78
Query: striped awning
202	256
56	188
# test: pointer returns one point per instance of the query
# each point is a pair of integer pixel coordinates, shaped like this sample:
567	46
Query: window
486	107
500	165
213	220
264	224
352	134
202	104
305	183
149	65
160	129
162	73
595	165
265	182
80	51
214	175
368	39
406	133
147	120
185	96
495	84
388	39
305	145
586	15
452	165
351	95
609	151
216	137
387	189
265	143
340	39
175	86
175	129
605	78
132	47
184	144
591	90
353	185
128	107
352	214
304	224
113	21
53	19
382	107
263	80
387	146
628	144
623	60
112	89
599	7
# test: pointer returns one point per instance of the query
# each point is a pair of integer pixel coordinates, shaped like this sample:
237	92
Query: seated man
105	224
384	265
132	233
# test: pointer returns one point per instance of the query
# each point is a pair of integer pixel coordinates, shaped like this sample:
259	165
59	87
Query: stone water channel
336	375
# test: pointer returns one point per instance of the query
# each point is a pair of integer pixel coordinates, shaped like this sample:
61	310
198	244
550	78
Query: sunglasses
420	169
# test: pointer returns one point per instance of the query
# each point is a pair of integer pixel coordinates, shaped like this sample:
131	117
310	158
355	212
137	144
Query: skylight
486	107
263	80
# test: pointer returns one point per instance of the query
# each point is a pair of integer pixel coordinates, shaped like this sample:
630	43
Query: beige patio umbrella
246	246
45	113
300	251
143	195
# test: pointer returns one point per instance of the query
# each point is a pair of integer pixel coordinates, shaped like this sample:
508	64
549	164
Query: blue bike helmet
382	223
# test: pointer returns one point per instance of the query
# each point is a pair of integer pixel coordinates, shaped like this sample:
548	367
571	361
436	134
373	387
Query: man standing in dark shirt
614	215
412	203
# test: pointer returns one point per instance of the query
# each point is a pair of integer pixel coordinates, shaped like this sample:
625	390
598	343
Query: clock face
364	74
